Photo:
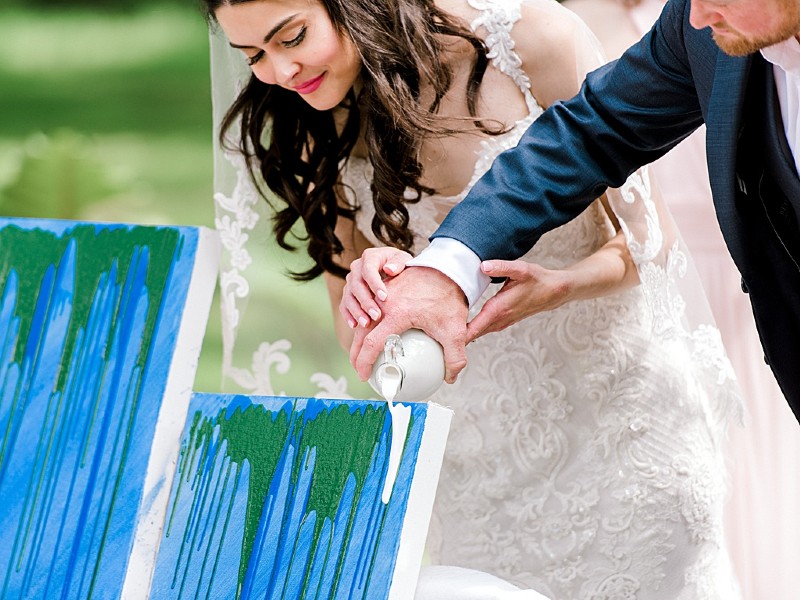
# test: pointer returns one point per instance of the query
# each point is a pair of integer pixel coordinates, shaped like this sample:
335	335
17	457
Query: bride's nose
277	70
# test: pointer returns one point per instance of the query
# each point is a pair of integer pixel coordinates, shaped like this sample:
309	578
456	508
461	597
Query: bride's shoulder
554	45
545	30
556	48
466	10
540	25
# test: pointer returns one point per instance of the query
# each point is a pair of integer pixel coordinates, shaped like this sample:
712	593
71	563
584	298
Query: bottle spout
390	380
390	374
393	348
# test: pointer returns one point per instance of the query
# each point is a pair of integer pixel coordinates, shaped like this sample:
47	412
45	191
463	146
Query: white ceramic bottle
410	369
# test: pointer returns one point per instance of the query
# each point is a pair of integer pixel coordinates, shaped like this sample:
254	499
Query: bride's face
293	44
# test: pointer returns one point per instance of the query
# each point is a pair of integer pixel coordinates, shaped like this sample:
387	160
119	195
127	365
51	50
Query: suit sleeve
627	114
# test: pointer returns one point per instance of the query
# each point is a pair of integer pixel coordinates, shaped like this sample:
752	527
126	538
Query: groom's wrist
456	261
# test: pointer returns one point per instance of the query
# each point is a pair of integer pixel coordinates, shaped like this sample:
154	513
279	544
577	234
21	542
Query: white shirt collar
785	55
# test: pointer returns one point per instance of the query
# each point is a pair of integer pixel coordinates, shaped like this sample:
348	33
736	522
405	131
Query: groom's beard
738	44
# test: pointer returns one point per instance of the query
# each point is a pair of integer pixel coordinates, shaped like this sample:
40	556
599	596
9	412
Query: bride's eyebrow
278	26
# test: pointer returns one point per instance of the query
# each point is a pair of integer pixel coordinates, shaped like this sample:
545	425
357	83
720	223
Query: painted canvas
100	332
279	497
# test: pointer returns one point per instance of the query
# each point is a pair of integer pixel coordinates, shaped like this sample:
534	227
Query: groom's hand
418	298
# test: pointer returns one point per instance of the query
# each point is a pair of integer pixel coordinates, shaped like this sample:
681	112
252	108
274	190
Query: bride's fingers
513	269
358	301
375	262
395	268
352	312
492	317
370	267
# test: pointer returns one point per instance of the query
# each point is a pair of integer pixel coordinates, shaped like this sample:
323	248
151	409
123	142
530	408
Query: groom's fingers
420	298
367	346
453	342
356	347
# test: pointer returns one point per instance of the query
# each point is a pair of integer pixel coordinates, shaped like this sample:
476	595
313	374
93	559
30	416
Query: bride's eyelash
297	39
251	60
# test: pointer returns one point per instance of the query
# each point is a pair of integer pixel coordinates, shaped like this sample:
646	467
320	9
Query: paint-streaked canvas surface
90	318
278	497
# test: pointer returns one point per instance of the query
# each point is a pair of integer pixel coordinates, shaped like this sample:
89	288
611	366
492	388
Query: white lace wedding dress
585	458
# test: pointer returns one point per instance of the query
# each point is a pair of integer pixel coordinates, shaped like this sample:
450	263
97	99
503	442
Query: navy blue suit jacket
627	114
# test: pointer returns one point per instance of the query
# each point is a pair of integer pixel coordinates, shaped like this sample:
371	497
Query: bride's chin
322	101
321	106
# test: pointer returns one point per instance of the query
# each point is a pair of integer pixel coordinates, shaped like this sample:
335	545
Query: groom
733	65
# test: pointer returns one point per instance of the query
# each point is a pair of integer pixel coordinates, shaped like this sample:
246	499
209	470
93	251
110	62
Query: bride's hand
529	289
364	284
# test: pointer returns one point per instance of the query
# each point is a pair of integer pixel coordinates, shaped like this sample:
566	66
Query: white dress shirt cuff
458	262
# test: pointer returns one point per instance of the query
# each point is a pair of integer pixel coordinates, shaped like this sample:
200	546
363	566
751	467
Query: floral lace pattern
585	456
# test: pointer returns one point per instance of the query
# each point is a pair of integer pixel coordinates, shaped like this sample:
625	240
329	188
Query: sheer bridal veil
252	268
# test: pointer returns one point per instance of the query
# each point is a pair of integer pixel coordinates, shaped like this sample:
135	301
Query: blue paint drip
9	371
263	560
29	359
363	522
202	483
193	570
79	426
298	562
134	282
339	531
298	496
319	558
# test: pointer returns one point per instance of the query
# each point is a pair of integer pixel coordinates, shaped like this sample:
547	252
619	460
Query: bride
585	456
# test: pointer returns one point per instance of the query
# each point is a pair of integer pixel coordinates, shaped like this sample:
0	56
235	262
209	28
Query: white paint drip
390	379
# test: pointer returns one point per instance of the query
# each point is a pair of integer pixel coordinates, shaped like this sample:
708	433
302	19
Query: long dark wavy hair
401	46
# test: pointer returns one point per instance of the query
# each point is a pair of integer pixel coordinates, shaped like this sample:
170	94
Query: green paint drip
258	436
255	436
97	248
340	453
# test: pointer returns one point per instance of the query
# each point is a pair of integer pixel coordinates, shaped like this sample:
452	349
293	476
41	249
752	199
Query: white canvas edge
172	417
420	502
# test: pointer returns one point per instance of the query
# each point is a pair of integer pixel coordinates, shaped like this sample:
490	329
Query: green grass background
106	115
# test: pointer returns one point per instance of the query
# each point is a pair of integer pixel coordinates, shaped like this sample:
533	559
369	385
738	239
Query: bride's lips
309	86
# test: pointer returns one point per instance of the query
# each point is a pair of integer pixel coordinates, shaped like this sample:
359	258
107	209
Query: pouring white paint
412	367
390	380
